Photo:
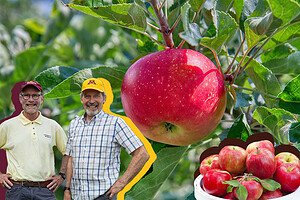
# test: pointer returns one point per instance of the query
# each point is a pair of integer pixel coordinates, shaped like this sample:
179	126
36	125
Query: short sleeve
125	136
61	139
3	134
69	141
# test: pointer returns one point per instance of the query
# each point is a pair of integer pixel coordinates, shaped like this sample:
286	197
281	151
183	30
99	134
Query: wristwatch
66	188
63	175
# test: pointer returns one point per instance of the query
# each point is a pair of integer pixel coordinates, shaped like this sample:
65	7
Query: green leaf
294	132
59	21
290	96
242	100
34	25
279	52
270	184
196	4
292	107
28	63
72	84
191	32
277	120
242	192
286	10
291	92
238	7
53	76
167	159
223	5
285	34
239	129
129	16
288	65
226	28
252	31
264	80
260	25
233	183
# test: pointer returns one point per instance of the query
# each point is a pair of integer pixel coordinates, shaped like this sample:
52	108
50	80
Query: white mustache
92	104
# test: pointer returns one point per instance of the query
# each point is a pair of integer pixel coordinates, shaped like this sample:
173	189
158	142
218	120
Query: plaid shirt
95	148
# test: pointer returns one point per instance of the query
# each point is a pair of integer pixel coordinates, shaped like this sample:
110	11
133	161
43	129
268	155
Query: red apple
210	162
261	163
213	182
260	144
233	159
230	196
288	175
175	96
271	195
253	188
286	157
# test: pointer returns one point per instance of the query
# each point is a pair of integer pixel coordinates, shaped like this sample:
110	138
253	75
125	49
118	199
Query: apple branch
234	58
164	27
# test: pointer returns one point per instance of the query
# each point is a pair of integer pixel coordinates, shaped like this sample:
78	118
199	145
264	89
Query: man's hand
4	180
56	181
67	195
115	189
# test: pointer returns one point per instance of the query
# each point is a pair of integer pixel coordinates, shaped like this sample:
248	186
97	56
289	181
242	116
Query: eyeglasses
34	96
88	97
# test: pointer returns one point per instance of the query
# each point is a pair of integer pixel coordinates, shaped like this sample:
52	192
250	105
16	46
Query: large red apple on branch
175	96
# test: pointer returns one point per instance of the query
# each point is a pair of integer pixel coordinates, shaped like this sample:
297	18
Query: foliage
255	42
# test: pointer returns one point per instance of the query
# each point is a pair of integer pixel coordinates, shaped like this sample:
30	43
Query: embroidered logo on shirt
47	136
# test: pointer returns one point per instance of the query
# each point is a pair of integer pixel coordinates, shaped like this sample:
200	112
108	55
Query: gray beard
92	113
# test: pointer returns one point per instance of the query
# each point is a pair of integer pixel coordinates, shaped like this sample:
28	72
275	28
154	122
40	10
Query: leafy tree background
256	42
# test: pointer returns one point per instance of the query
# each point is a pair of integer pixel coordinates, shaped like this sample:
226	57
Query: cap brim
33	85
92	89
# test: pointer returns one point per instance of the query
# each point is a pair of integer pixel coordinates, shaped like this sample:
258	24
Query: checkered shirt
95	148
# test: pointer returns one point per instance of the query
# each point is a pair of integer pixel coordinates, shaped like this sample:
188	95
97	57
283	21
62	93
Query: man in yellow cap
94	144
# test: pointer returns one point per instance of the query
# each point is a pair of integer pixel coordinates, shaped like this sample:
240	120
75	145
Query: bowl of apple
254	170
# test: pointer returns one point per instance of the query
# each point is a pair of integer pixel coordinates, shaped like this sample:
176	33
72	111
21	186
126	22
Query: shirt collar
26	121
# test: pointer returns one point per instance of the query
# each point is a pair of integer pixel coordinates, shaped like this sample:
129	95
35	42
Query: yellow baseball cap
92	84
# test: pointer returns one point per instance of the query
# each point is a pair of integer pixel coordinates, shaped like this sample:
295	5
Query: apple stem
164	26
216	57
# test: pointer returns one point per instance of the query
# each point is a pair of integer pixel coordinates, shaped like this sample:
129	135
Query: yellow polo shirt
29	146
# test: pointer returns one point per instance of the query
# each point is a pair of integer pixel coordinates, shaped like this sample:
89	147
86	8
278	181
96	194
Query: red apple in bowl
288	175
213	182
286	157
261	163
210	162
230	196
271	195
175	96
233	159
260	144
254	189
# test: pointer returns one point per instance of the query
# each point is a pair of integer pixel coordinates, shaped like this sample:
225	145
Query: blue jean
19	192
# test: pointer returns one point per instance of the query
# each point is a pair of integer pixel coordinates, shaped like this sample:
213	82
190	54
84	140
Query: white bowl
200	194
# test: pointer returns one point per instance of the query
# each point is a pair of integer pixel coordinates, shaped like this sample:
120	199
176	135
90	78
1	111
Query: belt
32	183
